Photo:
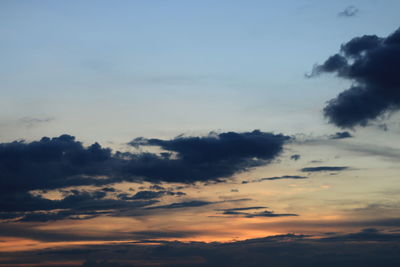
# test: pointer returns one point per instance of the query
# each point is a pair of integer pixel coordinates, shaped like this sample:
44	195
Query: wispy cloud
349	11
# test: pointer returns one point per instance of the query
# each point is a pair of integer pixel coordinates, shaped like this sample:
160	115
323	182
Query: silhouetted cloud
243	208
239	212
367	248
51	163
275	178
59	162
368	234
62	161
206	158
341	135
149	235
194	203
349	11
76	205
150	195
282	177
187	204
295	157
157	187
325	169
372	64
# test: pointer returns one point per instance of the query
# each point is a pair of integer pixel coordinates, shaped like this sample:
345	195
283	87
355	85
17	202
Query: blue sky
111	71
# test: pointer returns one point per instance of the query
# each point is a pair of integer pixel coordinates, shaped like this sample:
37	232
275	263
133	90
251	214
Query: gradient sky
185	75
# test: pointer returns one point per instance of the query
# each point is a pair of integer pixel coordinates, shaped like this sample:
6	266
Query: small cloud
341	135
240	212
30	122
275	178
295	157
325	169
349	11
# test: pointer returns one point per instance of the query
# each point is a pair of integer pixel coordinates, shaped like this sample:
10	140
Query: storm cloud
372	65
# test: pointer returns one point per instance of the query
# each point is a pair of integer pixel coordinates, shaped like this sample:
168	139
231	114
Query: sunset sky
199	133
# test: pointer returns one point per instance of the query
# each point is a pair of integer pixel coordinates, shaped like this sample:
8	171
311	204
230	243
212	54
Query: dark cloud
325	169
281	177
349	11
150	195
109	189
367	248
206	158
275	178
341	135
76	205
149	235
243	208
372	64
195	203
51	163
368	234
239	212
187	204
60	162
157	187
295	157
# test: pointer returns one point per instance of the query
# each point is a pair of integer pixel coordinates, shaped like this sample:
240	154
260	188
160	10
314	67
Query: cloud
282	177
62	161
368	234
150	195
367	248
239	212
32	122
51	163
372	64
206	158
77	205
194	203
341	135
349	11
365	149
275	178
187	204
244	208
148	235
325	169
295	157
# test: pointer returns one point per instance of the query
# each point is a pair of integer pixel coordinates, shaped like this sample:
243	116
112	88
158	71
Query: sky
199	133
